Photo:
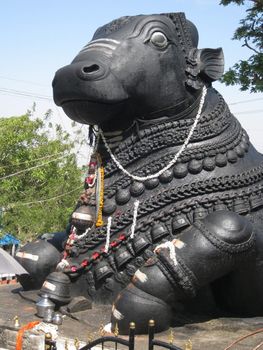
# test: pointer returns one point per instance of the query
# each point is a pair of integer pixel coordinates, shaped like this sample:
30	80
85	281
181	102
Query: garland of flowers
99	221
135	214
107	245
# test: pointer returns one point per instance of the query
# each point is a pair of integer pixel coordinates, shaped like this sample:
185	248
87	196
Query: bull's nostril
90	69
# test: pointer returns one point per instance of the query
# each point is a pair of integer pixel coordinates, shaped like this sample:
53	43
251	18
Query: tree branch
250	47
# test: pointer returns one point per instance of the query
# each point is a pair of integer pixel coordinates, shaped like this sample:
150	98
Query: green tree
248	73
39	154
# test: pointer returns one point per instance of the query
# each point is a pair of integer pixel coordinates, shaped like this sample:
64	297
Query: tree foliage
46	149
248	73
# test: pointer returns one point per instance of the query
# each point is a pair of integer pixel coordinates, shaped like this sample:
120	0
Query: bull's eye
159	39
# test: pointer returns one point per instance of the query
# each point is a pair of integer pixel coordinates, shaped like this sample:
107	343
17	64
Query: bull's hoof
134	305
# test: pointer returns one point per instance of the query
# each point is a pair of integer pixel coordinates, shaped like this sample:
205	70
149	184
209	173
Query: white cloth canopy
9	266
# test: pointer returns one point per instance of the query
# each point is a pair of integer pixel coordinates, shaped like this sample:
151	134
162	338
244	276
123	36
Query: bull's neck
137	147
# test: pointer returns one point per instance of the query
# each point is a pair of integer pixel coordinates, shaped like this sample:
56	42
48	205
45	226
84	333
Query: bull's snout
97	95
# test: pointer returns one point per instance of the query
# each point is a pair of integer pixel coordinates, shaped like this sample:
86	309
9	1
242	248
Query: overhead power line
39	165
34	167
12	205
32	160
245	101
23	81
25	93
251	111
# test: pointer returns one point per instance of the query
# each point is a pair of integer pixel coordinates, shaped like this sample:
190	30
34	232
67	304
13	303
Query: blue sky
40	36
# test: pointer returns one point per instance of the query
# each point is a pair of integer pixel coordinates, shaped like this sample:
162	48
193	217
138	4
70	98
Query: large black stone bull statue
181	194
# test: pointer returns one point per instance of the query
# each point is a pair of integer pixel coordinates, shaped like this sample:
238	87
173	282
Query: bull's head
142	67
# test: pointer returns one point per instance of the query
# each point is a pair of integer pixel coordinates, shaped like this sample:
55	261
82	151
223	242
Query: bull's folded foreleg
210	249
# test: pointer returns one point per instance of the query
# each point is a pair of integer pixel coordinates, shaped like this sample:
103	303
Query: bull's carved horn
204	66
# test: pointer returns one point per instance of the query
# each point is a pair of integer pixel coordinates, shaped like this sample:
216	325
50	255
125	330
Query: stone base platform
216	333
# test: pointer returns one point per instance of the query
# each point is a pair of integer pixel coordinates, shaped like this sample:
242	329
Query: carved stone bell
102	270
240	205
200	213
140	243
219	206
256	200
122	257
83	217
57	287
159	231
179	221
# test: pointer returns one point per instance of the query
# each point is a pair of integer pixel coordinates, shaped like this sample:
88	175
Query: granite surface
204	333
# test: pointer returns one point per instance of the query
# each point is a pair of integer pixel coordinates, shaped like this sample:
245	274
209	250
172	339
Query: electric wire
258	346
245	101
39	165
8	207
25	93
260	330
31	161
251	111
34	167
12	205
23	81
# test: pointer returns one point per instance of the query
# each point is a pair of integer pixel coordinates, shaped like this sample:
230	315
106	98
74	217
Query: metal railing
114	339
130	342
152	342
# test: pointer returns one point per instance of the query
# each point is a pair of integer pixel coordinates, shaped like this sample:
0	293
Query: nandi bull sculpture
174	190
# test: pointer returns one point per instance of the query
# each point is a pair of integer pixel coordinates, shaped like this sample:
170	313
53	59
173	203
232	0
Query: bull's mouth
80	100
92	112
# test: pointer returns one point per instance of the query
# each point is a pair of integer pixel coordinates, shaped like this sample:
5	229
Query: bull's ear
205	65
211	63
